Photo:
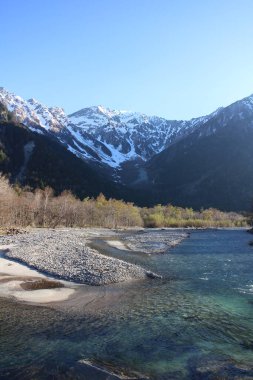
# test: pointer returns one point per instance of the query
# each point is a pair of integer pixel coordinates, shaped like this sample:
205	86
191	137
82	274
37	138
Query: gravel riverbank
154	240
65	254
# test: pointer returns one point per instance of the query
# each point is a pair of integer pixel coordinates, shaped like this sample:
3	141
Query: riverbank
65	254
180	327
150	241
19	282
50	265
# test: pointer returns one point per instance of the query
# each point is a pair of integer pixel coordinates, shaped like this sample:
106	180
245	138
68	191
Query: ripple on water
184	328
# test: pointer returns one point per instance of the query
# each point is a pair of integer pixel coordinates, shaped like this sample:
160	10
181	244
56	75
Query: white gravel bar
153	241
65	254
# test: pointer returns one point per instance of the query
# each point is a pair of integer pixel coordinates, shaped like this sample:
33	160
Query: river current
194	323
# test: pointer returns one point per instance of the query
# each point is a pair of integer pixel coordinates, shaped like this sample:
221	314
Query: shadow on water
196	323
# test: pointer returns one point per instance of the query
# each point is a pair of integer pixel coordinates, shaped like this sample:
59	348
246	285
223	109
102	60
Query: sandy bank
13	275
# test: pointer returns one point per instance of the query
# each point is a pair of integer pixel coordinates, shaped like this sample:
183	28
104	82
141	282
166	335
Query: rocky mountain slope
212	166
38	161
98	134
204	162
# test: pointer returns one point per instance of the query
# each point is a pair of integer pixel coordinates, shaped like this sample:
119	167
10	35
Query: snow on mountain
98	133
32	113
112	137
126	135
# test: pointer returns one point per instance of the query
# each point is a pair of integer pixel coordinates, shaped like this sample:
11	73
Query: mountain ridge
204	162
105	136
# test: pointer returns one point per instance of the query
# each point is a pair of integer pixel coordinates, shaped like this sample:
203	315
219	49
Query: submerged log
107	371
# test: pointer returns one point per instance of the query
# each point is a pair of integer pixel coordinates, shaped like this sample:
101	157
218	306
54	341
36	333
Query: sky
173	58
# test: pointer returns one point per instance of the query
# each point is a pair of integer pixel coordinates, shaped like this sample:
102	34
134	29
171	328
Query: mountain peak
108	110
102	109
248	100
32	113
3	89
114	136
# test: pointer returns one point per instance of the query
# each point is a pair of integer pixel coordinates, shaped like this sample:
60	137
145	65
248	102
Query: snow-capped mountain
111	137
203	162
122	135
33	114
99	134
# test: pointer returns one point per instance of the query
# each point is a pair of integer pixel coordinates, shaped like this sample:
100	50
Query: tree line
41	208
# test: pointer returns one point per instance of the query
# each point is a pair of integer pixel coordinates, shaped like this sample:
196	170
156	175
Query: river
194	323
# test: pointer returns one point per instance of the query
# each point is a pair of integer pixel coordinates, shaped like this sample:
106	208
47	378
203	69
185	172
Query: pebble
65	254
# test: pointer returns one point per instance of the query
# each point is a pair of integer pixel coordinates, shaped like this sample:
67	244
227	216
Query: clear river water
194	323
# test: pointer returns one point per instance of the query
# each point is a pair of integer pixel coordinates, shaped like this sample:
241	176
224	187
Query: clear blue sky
173	58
